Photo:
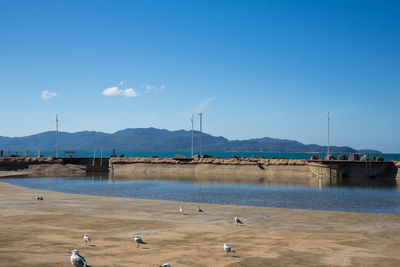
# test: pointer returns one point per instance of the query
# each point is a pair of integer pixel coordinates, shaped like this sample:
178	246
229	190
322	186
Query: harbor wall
258	170
40	166
283	174
249	170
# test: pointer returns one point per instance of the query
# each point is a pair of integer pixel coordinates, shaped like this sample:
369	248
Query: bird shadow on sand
92	245
145	248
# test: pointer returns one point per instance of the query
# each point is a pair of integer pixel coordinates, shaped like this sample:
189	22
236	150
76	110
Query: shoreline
40	233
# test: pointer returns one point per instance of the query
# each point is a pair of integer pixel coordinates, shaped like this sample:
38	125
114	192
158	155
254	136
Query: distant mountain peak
153	139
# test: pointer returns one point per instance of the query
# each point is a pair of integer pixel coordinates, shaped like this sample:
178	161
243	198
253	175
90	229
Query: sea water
354	199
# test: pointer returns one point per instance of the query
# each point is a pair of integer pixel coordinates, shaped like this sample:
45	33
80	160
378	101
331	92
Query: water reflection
314	182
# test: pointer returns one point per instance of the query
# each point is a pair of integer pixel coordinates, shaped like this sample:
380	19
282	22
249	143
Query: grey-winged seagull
138	240
165	265
86	238
77	260
228	249
238	221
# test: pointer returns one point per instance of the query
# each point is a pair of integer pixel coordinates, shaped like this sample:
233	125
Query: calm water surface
381	200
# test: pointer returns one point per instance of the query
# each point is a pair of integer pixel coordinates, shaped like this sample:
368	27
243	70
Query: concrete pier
250	170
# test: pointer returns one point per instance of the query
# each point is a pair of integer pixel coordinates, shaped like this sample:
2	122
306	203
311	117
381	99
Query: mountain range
152	139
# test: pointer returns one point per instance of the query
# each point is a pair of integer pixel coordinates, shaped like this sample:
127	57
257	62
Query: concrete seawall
249	170
284	174
38	166
258	170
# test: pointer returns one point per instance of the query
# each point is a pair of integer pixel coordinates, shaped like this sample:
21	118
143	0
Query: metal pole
192	133
94	157
328	135
56	135
101	157
201	129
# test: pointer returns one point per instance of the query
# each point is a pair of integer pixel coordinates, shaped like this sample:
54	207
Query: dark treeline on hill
151	139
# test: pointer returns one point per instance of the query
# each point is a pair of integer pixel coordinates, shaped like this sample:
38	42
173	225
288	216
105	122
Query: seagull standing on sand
86	238
77	260
180	209
238	221
138	240
165	265
199	209
228	249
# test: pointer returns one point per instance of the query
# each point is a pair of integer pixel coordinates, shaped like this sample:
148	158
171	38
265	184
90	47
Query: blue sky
254	68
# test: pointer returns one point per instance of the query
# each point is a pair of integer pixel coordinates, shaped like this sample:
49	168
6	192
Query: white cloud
112	91
154	88
204	104
130	92
46	95
115	90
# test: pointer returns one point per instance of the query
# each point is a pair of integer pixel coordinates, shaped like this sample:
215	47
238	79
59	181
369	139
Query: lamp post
56	135
201	128
192	120
328	137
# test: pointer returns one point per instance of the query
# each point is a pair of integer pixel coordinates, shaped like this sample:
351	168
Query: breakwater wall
213	169
259	170
250	170
44	166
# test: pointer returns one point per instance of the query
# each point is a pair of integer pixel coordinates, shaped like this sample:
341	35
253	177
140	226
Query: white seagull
238	221
228	249
138	240
77	260
180	209
86	238
165	265
199	209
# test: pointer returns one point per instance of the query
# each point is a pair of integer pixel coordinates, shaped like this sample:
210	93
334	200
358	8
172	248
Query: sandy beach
41	233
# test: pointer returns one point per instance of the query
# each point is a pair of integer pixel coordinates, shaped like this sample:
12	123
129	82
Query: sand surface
41	233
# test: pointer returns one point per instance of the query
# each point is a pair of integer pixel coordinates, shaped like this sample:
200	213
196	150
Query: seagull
238	221
86	238
228	249
165	265
180	209
199	209
77	260
138	240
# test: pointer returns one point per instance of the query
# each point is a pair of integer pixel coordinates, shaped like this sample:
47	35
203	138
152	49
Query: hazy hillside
151	139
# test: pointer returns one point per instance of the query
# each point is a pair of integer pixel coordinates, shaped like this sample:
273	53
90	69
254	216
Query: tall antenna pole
328	135
201	128
56	135
192	119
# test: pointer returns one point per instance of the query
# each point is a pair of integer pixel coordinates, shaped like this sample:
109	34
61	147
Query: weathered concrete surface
251	170
283	174
41	233
257	170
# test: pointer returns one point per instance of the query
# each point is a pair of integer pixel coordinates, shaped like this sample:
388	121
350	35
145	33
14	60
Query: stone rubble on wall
216	161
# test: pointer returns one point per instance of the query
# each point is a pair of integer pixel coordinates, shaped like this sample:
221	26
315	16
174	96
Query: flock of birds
78	260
